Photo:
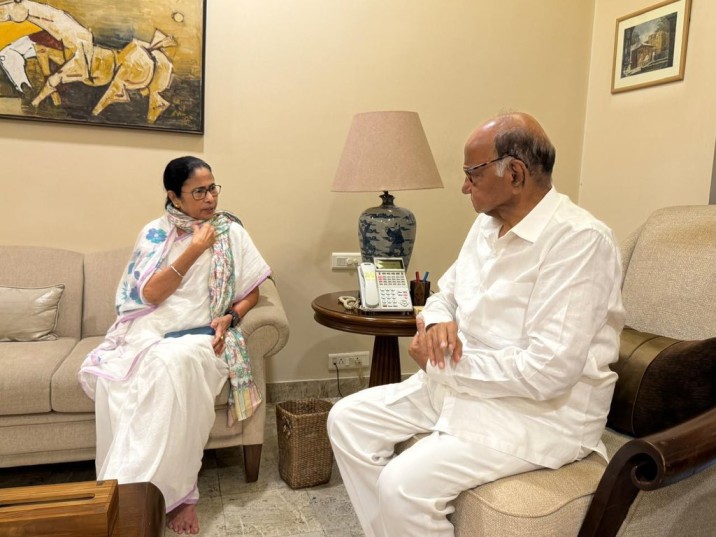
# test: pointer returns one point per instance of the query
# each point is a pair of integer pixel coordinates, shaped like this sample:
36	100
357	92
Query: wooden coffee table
386	327
141	511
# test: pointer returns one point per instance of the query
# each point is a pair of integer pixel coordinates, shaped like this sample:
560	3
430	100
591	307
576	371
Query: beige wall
651	147
283	82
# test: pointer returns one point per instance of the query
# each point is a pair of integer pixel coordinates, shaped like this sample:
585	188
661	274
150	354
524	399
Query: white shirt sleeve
440	307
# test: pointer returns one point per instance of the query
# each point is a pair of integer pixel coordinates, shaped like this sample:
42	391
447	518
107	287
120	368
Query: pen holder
419	292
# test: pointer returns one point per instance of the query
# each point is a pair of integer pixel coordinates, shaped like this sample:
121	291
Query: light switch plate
345	260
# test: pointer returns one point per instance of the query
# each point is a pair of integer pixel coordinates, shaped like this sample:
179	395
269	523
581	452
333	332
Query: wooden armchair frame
647	464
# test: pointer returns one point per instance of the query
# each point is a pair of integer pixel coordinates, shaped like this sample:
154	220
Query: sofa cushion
27	369
669	282
662	382
67	394
543	502
29	313
32	266
102	273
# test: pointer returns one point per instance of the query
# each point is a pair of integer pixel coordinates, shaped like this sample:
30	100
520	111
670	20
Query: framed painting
650	46
130	63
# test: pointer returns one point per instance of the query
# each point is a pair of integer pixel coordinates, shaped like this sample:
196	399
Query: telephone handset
383	285
370	298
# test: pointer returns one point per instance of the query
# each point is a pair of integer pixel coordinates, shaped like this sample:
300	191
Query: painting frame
137	64
659	58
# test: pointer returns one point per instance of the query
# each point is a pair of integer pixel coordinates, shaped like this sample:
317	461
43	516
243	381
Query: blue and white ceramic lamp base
387	231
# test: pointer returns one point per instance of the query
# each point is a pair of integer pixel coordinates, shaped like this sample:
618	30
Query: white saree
154	396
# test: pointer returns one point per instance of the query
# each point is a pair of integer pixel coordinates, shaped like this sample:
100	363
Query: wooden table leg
385	366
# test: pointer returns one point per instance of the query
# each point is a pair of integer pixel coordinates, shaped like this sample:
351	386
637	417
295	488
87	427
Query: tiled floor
230	507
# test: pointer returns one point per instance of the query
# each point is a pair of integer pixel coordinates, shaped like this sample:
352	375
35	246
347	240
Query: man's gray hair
536	151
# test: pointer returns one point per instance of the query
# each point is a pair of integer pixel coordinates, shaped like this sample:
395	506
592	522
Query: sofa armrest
675	453
268	313
650	463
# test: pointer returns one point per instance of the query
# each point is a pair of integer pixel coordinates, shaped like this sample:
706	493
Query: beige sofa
661	484
45	417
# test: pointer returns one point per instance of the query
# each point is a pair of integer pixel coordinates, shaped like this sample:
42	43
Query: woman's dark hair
178	171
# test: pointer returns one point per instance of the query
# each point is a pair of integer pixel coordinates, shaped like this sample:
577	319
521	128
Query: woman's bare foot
183	519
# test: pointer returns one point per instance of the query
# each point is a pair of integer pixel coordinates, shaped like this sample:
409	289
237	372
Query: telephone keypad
393	288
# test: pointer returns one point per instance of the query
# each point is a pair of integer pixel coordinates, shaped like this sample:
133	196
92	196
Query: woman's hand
165	281
204	236
220	325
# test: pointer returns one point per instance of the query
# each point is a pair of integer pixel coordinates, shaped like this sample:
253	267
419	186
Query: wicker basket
305	457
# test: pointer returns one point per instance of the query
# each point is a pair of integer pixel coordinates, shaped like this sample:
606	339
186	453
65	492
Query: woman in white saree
154	390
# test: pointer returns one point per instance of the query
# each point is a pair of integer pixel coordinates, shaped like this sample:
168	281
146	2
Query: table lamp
386	151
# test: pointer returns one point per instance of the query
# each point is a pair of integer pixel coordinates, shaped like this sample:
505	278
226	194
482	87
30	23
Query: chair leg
252	461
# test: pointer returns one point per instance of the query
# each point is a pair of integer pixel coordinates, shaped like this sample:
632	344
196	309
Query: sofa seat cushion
548	503
613	441
543	502
67	394
27	369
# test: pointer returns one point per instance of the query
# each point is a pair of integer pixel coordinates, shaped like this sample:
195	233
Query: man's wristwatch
235	318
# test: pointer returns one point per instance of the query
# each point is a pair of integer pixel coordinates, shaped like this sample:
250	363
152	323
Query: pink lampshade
386	151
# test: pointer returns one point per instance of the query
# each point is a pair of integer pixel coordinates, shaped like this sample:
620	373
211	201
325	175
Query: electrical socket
348	360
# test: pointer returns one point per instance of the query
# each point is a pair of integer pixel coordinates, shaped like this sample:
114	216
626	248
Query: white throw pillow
29	313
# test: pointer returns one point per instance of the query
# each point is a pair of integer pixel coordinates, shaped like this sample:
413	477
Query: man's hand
418	348
434	344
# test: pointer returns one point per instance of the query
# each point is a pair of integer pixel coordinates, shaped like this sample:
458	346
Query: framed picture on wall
129	63
650	46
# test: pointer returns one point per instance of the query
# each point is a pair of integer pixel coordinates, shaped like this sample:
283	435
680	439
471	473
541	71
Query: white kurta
154	396
539	314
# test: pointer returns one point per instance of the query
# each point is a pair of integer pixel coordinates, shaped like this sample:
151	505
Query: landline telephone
383	285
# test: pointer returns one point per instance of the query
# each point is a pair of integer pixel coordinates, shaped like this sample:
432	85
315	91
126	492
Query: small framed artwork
129	63
650	46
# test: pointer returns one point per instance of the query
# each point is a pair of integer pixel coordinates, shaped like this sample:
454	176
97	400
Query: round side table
386	327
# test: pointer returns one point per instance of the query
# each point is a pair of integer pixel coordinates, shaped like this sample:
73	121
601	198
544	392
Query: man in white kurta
514	349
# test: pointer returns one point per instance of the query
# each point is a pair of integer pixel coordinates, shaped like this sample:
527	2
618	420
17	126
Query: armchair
661	431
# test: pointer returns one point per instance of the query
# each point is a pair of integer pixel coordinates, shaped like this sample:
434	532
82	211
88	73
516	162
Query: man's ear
518	172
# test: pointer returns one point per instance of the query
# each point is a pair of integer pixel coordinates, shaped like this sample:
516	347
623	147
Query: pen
425	278
417	276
